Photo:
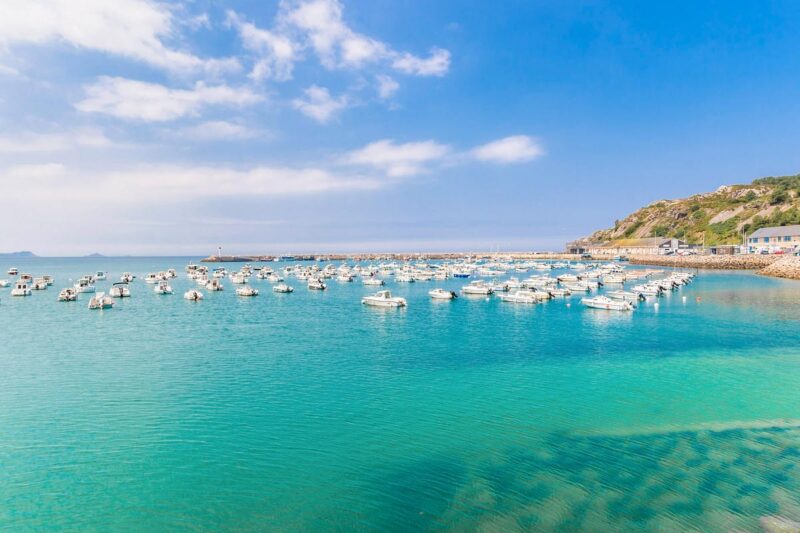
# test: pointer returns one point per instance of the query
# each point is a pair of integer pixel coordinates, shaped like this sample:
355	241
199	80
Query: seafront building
646	246
786	238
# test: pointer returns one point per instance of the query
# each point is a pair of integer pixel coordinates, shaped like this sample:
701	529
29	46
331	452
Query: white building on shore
786	238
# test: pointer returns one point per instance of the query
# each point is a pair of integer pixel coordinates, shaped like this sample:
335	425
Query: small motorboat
100	275
152	277
39	284
346	278
162	288
246	291
477	287
521	297
68	295
274	278
127	277
441	294
214	285
101	301
13	271
604	302
48	279
282	288
120	290
377	282
4	283
193	295
384	299
627	296
21	288
316	284
85	285
239	278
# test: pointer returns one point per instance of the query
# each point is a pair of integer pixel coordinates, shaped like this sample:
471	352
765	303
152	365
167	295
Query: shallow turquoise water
311	412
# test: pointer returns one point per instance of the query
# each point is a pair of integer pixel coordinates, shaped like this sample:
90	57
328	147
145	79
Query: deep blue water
311	412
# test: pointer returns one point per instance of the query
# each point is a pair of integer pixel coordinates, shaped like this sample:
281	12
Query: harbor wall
716	262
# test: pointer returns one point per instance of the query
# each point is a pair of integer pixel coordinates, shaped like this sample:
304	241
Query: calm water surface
310	412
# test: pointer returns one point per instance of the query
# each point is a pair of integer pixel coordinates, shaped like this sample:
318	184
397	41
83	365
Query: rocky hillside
722	215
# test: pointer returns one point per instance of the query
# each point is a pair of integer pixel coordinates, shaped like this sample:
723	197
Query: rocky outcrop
785	267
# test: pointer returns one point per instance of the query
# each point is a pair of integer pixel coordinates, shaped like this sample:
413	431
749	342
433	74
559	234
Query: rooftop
777	231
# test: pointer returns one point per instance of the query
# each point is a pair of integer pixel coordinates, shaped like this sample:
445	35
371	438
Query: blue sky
139	127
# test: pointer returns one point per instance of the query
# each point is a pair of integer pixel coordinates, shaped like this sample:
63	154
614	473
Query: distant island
714	218
15	255
94	255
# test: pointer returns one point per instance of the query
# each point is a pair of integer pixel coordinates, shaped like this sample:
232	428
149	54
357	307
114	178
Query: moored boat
384	299
193	294
441	294
282	288
68	295
603	302
101	301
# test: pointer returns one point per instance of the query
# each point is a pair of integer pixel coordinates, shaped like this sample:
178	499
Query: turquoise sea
311	412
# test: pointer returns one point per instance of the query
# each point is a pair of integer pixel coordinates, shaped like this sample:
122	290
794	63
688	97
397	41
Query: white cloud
397	159
513	149
33	173
149	185
276	53
216	130
29	142
128	28
319	104
387	86
321	24
151	102
436	65
9	72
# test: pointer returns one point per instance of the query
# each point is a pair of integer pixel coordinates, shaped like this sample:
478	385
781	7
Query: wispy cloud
386	85
151	102
216	130
319	105
397	160
513	149
275	53
134	29
437	64
30	142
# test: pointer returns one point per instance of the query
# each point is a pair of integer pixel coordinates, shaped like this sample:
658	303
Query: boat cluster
495	279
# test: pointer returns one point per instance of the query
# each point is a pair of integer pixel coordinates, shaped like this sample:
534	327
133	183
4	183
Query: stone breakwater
716	262
785	267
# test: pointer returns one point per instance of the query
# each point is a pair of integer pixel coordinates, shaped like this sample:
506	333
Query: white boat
120	290
127	277
346	278
39	284
101	301
615	279
152	277
404	278
274	278
162	288
282	288
603	302
4	283
441	294
67	295
48	279
377	282
627	296
384	299
316	284
193	295
477	287
520	297
239	278
100	275
13	271
246	291
214	285
84	285
21	288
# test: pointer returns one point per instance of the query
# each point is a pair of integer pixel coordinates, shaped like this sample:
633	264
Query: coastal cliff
719	217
